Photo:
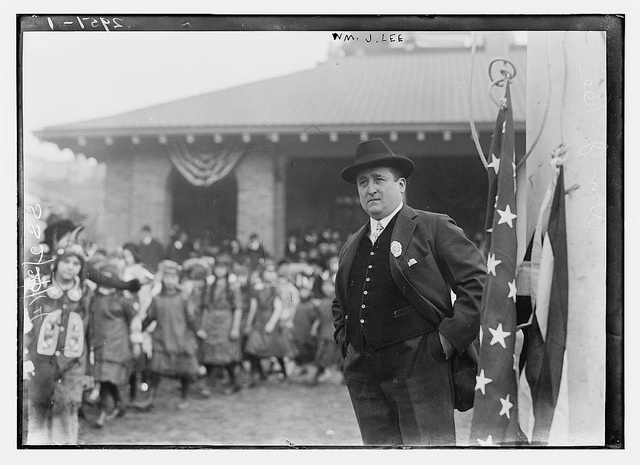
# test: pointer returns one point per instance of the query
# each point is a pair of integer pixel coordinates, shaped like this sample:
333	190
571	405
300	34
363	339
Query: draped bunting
203	169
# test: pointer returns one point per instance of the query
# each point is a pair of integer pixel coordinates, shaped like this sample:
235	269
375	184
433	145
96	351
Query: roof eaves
54	133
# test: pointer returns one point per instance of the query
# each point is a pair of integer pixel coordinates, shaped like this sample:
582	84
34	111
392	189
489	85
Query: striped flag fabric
495	411
543	385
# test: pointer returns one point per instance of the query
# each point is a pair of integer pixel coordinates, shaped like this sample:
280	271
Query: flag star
512	290
506	406
486	442
506	216
495	163
481	382
498	336
492	263
490	230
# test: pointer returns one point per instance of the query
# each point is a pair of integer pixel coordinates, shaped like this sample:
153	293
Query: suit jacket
435	258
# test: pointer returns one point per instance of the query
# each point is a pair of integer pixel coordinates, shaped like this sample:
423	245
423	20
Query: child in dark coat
328	353
111	316
305	339
220	325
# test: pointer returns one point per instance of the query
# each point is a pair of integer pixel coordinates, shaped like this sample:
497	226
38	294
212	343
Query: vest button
363	305
346	317
370	266
362	320
368	279
365	292
62	329
372	253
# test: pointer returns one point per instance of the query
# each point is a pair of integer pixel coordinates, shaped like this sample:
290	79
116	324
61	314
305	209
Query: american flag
495	415
543	381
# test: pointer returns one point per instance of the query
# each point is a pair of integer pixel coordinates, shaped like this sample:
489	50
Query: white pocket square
412	261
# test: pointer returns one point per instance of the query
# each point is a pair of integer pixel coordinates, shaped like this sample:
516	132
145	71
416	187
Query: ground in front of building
274	413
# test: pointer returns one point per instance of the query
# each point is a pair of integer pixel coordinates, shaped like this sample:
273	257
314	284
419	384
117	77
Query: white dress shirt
385	221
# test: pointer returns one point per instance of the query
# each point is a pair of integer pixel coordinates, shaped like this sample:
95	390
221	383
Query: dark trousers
402	394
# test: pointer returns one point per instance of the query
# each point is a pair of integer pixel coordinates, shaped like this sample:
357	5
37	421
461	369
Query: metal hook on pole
508	72
504	70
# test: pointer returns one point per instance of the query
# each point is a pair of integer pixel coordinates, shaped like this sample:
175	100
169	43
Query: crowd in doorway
215	318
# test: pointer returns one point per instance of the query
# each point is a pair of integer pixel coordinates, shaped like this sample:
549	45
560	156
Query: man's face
379	192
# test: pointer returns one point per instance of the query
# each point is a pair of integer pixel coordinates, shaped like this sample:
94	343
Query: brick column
117	218
261	200
150	197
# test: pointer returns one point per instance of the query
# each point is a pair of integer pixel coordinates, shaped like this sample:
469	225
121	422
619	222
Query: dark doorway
454	185
318	198
205	212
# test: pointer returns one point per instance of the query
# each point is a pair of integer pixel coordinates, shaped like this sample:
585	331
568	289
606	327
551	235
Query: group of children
209	320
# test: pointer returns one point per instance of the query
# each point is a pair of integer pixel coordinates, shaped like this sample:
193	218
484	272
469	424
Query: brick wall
261	200
117	223
150	196
136	193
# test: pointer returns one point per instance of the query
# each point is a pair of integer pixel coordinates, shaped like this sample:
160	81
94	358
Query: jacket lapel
402	232
344	269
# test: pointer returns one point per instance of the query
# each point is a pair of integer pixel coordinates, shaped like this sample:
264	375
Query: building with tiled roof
265	157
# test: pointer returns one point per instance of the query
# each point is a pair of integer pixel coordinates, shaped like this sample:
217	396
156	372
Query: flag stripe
546	337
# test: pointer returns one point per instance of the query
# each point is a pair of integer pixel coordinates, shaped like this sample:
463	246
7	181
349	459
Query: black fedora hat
373	153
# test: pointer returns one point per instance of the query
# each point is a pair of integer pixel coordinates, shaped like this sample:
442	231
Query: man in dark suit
151	251
393	312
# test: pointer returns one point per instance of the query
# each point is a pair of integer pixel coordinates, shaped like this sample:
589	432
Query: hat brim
402	164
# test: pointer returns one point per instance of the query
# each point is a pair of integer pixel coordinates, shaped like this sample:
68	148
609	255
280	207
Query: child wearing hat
264	333
220	324
112	314
174	340
56	351
197	276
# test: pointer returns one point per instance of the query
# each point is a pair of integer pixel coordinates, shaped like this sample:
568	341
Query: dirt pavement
275	413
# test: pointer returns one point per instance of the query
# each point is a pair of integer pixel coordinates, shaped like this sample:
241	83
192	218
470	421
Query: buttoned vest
378	314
